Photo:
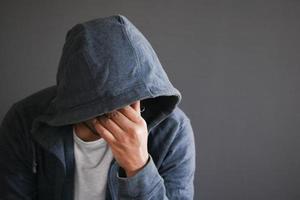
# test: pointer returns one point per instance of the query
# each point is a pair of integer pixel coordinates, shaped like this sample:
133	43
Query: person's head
89	128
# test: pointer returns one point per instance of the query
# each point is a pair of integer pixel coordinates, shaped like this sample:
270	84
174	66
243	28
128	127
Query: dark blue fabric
106	64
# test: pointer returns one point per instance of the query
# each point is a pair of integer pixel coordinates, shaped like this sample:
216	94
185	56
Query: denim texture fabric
106	64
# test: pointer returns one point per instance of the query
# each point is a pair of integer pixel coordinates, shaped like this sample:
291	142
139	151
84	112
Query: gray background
235	62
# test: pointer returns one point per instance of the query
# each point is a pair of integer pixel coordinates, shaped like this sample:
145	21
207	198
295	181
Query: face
90	125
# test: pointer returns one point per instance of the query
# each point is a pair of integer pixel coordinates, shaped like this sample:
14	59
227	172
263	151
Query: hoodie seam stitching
137	60
88	58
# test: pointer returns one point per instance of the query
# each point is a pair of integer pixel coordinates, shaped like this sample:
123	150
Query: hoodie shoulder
39	99
34	104
178	116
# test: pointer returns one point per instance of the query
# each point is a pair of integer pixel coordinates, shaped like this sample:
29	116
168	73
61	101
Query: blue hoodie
106	64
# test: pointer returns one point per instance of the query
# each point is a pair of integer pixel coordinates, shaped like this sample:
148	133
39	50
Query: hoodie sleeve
175	178
16	176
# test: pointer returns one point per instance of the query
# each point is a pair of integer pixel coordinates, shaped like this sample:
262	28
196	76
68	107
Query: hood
106	64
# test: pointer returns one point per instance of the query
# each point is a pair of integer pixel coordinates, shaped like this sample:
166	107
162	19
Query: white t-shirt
92	162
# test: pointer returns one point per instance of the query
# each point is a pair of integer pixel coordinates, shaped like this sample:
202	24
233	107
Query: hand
125	131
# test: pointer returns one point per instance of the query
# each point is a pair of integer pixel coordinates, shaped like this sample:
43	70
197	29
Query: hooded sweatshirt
106	64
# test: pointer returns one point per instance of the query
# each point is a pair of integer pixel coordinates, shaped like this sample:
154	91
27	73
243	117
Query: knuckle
122	137
134	136
125	140
141	121
131	129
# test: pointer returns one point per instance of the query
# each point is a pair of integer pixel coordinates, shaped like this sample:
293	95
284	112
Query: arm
16	176
174	180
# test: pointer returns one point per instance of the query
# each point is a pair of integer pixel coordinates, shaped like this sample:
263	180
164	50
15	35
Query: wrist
130	173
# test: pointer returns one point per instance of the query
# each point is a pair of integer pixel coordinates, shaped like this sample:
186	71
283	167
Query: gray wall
235	62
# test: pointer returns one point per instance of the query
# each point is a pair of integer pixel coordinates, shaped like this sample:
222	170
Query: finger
111	126
105	134
130	113
90	127
123	122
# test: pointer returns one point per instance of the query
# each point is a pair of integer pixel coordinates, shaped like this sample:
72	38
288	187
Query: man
110	128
